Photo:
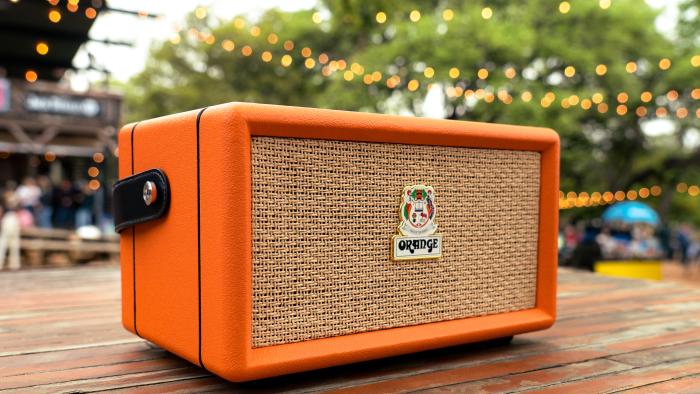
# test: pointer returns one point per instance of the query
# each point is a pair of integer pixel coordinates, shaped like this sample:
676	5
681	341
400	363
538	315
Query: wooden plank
68	245
539	379
628	380
60	331
687	384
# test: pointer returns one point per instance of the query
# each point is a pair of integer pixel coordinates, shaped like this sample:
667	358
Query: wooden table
60	331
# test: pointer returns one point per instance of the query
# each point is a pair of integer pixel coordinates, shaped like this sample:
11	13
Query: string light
672	95
570	102
228	45
200	12
482	74
570	71
42	48
564	7
691	190
54	16
695	61
286	60
266	56
601	69
90	13
380	17
584	199
272	38
448	15
31	76
486	12
695	94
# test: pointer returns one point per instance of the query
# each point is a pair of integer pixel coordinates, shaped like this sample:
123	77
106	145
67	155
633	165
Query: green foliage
600	151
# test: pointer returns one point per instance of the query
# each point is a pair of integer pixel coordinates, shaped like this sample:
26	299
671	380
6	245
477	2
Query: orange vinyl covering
187	277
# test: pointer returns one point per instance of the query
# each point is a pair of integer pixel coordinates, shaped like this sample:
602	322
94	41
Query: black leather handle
130	204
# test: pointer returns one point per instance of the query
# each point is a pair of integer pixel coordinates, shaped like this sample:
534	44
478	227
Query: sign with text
59	104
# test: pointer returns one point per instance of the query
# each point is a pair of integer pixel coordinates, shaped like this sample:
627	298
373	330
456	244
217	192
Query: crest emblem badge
416	238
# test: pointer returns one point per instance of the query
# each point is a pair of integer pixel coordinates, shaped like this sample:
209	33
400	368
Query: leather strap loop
129	204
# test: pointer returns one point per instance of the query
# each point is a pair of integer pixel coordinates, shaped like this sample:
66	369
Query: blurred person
45	212
587	252
607	243
85	202
643	244
10	234
683	238
571	236
8	193
28	194
64	204
665	242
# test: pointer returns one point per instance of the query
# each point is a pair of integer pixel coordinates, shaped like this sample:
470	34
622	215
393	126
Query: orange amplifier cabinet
261	240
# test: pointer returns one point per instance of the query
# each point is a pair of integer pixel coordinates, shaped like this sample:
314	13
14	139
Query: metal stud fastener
150	193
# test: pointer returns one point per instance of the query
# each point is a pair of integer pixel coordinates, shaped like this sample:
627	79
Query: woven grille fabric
324	213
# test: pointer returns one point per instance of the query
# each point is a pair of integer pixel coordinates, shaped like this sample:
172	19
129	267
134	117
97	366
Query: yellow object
636	269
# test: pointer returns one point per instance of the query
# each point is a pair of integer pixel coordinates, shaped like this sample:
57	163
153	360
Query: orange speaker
261	240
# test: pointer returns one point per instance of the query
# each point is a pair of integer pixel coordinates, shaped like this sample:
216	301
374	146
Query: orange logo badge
416	238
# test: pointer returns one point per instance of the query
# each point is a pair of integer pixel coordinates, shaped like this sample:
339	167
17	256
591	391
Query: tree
516	62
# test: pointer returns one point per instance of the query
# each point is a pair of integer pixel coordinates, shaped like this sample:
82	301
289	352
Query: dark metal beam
130	12
110	42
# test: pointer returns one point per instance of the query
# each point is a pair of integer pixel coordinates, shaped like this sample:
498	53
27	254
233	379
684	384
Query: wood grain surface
60	332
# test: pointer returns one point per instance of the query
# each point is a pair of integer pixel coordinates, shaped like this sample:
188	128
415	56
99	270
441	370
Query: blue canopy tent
631	212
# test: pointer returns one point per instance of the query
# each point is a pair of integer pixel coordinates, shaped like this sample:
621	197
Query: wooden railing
59	247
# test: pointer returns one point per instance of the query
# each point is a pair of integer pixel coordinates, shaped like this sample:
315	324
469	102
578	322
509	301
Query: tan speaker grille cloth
323	216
